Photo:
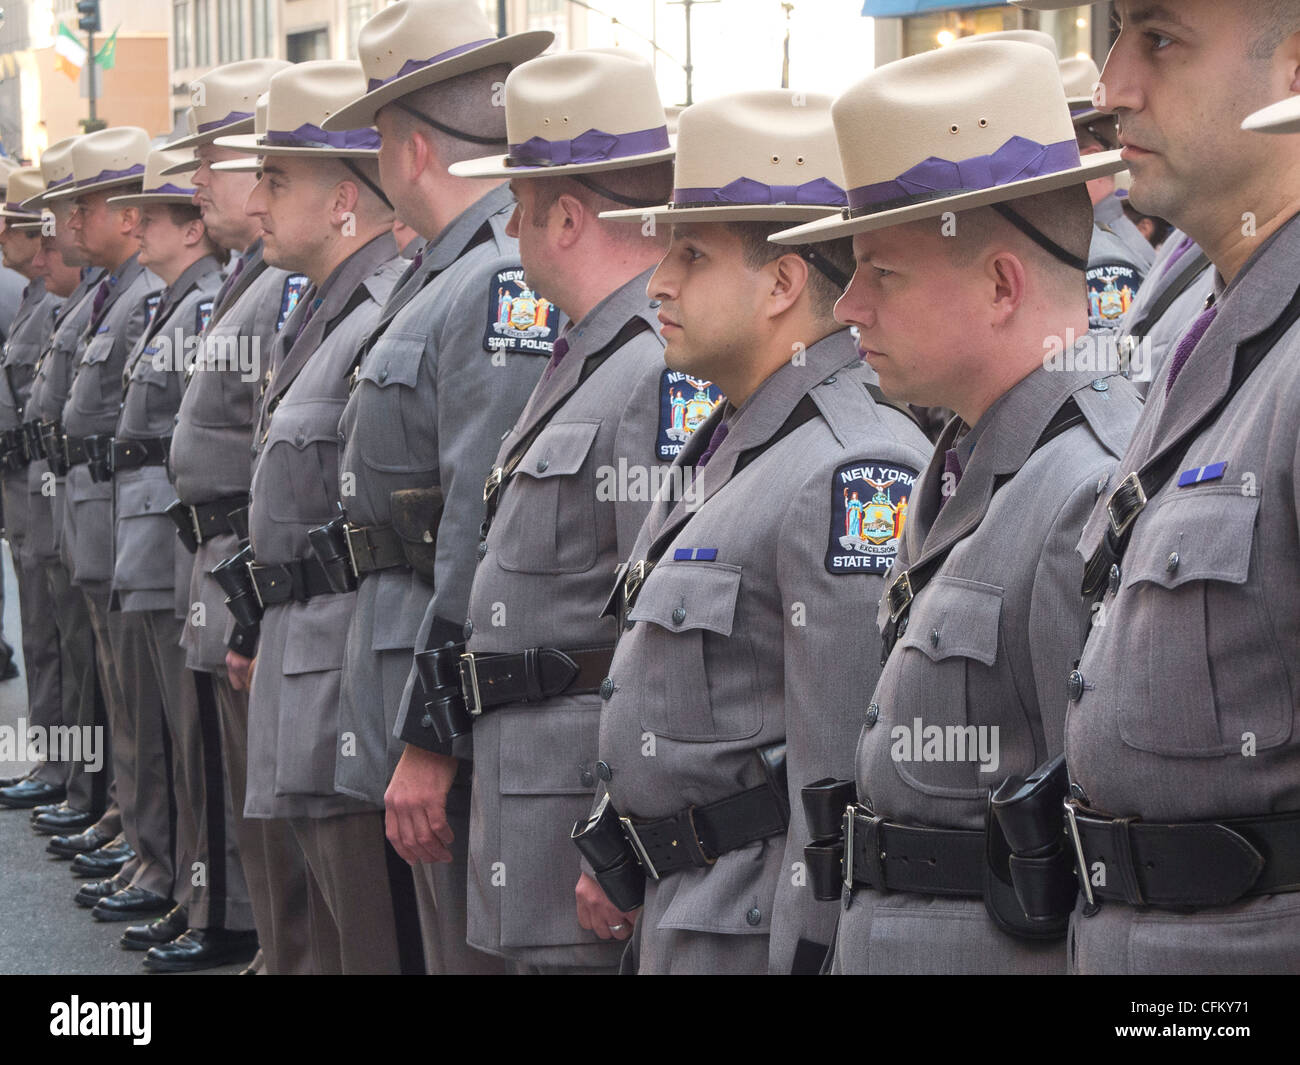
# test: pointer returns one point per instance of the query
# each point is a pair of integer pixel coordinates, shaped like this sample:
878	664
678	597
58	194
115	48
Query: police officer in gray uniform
552	535
740	603
1181	731
211	471
437	386
294	735
980	619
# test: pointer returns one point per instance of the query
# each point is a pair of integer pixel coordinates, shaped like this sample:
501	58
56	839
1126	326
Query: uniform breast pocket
227	370
161	394
554	488
146	537
97	364
700	681
391	422
1203	642
953	634
298	474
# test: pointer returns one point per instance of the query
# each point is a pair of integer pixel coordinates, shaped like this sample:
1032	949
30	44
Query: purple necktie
715	442
231	280
558	352
307	318
101	294
1183	247
1185	346
951	465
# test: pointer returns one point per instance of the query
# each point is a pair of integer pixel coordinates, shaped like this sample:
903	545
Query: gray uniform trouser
271	862
675	951
40	638
361	896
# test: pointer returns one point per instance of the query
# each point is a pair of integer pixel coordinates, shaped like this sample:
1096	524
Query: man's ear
572	217
788	275
1005	284
195	231
344	204
130	218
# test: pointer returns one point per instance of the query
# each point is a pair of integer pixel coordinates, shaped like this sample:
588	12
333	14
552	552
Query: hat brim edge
494	166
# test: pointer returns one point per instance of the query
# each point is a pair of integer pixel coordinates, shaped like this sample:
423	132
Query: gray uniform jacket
151	561
1189	707
750	631
12	284
1118	262
213	438
564	523
989	642
1151	358
430	403
293	724
49	392
94	400
28	332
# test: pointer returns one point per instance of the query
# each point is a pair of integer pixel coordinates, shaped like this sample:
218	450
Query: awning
898	8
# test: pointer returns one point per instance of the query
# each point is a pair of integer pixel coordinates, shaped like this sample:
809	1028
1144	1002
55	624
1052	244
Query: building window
262	33
181	33
202	38
230	25
311	44
358	12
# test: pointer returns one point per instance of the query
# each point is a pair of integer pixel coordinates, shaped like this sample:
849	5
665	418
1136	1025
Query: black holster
52	444
183	518
416	515
329	543
824	803
241	594
99	457
32	440
439	671
601	840
1031	886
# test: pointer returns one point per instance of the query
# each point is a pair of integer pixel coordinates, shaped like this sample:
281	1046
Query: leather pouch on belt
824	802
416	514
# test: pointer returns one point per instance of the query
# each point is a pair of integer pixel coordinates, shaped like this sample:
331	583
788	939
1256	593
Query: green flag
107	55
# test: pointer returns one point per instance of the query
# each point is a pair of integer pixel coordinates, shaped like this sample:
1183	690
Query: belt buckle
849	816
1119	526
1072	830
352	555
469	672
638	848
194	523
900	595
257	592
492	483
632	582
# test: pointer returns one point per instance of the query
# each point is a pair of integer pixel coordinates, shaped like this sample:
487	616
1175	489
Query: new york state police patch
294	286
518	319
684	403
1112	288
869	502
202	315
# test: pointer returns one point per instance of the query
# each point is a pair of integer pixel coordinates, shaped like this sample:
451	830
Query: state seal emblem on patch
518	318
151	305
294	286
684	403
869	502
1112	287
203	315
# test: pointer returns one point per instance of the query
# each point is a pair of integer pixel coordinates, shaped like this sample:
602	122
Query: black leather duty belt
75	451
698	835
221	516
490	680
32	443
301	579
929	861
13	450
374	547
1195	864
132	454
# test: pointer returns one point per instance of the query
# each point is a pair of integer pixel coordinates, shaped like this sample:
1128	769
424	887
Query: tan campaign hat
413	44
1080	76
250	163
22	184
1038	37
223	100
1281	117
105	159
56	170
951	130
763	156
302	97
578	113
7	167
157	189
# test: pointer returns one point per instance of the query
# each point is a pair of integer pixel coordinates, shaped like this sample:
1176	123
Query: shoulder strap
1180	284
883	400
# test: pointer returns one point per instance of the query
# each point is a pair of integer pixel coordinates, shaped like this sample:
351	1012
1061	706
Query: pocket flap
304	424
98	349
560	450
141	498
317	633
689	595
955	618
1201	535
394	360
571	729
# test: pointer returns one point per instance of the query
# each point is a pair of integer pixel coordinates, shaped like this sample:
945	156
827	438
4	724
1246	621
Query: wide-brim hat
105	159
247	164
157	189
763	156
1038	37
300	99
1080	76
578	113
413	44
1281	117
22	184
56	171
25	227
952	130
222	100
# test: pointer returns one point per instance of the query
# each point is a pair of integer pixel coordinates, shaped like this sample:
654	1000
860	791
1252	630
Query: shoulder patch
150	308
518	319
1111	291
684	403
203	315
294	286
869	502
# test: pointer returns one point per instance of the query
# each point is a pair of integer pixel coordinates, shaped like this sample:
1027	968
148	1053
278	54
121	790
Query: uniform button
1113	580
588	781
1079	794
300	439
679	615
873	714
629	624
543	465
753	916
830	380
469	628
382	375
656	303
482	548
934	637
607	688
604	772
1102	483
426	721
1074	686
1171	563
1100	386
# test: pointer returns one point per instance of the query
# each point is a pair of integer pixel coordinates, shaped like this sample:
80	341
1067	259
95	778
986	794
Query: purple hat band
412	65
1019	159
18	208
168	189
746	192
57	182
309	136
112	175
593	146
217	123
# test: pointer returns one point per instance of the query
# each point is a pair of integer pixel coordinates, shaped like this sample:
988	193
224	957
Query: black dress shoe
163	930
201	948
62	820
130	903
82	843
106	861
89	895
31	792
